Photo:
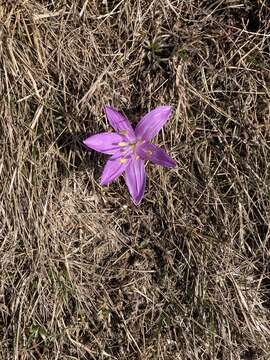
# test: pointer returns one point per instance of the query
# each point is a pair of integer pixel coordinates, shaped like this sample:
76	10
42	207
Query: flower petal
136	179
152	122
155	154
119	122
106	142
113	169
122	153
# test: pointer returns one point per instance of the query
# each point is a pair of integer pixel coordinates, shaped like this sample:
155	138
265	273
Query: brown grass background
84	273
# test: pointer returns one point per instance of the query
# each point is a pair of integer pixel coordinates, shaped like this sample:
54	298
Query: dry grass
84	273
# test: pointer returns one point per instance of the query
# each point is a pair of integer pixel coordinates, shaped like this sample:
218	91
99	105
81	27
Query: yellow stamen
137	157
122	143
122	160
149	152
123	132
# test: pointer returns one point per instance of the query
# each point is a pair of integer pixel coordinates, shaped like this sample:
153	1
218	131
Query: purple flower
129	149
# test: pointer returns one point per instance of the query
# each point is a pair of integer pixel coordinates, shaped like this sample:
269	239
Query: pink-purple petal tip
106	142
156	155
152	122
135	178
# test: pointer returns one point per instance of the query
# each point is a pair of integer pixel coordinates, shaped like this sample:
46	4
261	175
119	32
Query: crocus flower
129	149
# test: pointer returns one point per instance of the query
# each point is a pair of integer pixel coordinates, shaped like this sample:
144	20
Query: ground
86	274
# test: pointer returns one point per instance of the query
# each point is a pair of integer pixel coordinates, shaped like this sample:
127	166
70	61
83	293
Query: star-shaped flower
129	149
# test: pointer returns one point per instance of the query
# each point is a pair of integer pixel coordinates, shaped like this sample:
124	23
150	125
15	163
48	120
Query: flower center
130	147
